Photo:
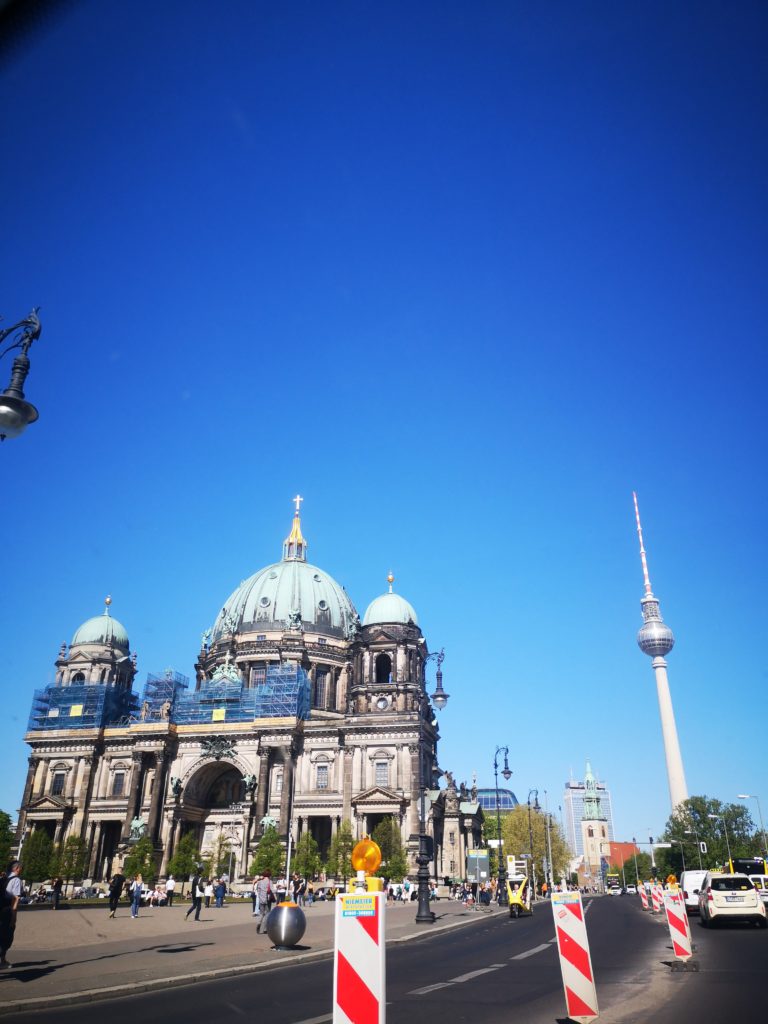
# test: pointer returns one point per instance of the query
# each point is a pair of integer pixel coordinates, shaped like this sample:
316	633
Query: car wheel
704	922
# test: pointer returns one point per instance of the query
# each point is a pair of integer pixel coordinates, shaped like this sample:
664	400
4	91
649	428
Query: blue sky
464	275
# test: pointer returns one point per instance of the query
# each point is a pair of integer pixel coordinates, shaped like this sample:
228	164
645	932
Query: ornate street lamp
426	846
15	413
535	793
751	796
503	895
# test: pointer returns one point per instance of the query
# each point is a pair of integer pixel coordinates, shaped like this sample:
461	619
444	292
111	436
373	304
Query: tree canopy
269	854
394	863
306	857
520	832
141	861
6	839
185	858
36	857
706	819
339	856
69	859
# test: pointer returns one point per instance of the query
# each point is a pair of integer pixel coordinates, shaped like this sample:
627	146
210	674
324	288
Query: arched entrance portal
215	807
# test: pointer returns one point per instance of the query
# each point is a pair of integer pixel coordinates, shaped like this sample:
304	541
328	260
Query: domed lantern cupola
294	545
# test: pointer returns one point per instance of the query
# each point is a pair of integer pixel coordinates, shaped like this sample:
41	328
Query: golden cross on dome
298	500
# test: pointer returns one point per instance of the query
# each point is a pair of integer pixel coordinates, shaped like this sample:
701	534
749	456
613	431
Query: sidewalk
78	954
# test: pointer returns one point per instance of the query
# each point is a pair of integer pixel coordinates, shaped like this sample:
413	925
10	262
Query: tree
339	856
36	857
69	860
628	867
269	853
185	858
306	858
517	840
141	861
690	823
393	860
6	839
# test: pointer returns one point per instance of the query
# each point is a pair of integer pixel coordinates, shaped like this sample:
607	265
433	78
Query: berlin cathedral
301	713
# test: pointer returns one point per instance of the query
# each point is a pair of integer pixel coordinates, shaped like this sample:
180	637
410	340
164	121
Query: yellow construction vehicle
518	888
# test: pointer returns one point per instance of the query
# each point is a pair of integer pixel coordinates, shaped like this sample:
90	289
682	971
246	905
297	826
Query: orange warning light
366	856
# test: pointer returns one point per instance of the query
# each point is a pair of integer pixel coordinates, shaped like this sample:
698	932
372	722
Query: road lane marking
451	981
530	952
316	1020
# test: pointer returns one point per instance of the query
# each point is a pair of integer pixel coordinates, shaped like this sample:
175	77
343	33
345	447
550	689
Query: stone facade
188	763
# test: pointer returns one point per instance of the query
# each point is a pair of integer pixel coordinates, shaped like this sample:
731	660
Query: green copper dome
102	629
390	607
290	594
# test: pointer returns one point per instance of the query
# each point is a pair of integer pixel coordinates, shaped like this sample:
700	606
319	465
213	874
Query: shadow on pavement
32	972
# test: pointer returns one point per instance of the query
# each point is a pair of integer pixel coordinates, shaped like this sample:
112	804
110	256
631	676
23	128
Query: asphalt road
494	973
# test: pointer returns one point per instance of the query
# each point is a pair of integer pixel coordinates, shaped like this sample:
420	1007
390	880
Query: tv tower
656	639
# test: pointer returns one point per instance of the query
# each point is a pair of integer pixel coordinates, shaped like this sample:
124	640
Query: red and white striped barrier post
575	961
643	895
679	929
359	959
656	897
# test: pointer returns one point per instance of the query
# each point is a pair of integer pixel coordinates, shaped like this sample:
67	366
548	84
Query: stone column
158	791
285	796
31	771
137	773
413	786
262	793
348	756
84	795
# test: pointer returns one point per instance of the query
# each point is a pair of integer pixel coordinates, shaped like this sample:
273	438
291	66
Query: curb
115	991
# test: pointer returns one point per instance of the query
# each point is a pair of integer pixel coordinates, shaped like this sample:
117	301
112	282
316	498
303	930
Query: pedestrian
265	898
196	895
57	886
220	892
10	895
208	890
170	887
115	890
255	895
136	888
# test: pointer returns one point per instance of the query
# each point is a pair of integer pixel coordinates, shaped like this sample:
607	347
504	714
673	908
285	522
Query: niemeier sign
353	905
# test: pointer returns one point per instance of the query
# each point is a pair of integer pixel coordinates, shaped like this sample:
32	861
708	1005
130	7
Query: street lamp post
682	852
15	413
751	796
530	838
503	895
634	854
719	817
551	878
694	832
440	698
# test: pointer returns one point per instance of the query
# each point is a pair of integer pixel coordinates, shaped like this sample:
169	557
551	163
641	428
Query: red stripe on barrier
574	953
353	996
675	922
575	909
680	951
371	924
576	1006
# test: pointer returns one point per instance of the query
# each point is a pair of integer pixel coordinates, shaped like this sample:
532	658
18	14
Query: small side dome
102	629
390	607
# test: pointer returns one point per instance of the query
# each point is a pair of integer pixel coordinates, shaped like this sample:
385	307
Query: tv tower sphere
654	637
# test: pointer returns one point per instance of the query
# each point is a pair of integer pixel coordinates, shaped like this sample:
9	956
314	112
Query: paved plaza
77	953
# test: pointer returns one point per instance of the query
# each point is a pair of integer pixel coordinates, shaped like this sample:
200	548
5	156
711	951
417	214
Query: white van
690	883
760	882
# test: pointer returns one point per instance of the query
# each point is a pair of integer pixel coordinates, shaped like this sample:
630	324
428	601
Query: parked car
690	883
760	883
730	898
631	890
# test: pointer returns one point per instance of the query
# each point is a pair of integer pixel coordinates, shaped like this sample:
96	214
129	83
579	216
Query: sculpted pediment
382	634
377	795
47	803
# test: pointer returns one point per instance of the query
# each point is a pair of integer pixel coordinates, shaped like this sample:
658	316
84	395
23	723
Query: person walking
265	897
170	888
220	891
208	892
255	896
10	895
57	886
196	895
115	891
136	886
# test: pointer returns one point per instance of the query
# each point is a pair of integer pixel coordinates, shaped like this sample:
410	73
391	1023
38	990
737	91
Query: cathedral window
278	782
382	773
57	786
258	675
321	687
383	668
591	832
78	677
118	784
322	776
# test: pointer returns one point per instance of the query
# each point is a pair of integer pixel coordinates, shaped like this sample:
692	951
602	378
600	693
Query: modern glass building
573	812
487	799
